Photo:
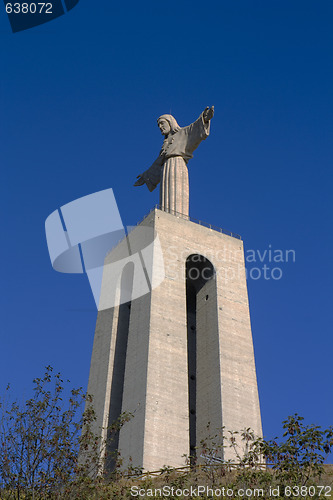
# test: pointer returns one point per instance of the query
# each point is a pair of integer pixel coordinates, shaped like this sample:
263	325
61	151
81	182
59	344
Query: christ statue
170	168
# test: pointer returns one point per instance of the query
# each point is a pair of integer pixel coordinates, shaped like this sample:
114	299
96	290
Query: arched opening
118	376
202	348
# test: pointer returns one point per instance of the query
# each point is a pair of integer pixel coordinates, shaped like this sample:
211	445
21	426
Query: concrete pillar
155	374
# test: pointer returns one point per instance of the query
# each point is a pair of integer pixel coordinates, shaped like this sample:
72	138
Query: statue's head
167	124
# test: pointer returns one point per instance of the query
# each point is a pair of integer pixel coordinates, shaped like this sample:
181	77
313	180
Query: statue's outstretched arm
140	181
198	130
208	114
152	176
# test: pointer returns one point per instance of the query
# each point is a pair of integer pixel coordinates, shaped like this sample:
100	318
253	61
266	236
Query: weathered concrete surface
156	370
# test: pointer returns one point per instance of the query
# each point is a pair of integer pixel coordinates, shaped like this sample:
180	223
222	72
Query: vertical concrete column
156	378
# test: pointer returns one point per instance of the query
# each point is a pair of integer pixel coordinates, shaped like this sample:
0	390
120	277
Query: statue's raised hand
140	181
208	114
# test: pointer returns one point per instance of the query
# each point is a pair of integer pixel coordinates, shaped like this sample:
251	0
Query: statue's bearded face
164	126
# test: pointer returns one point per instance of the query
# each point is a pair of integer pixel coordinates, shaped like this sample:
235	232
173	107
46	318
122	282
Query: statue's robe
170	168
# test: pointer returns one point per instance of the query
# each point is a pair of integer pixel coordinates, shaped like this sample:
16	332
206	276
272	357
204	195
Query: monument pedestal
179	355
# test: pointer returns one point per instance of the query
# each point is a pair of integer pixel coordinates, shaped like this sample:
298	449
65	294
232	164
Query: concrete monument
170	168
179	356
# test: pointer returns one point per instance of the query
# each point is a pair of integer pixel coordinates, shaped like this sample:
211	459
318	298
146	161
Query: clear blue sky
79	102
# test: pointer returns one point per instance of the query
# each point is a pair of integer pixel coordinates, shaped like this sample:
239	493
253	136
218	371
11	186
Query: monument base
180	356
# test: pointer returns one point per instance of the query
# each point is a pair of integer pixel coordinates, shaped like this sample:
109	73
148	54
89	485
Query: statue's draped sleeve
182	143
190	138
152	176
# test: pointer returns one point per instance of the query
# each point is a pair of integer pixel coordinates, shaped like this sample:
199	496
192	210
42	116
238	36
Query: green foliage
48	450
296	461
41	439
300	457
39	442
